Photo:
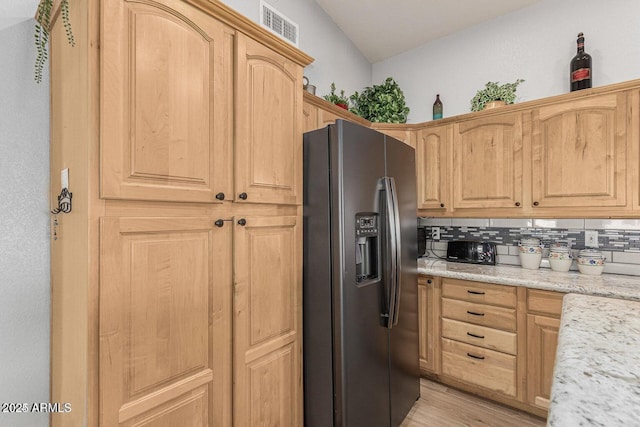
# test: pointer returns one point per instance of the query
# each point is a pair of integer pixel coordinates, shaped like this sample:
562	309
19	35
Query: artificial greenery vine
495	92
43	22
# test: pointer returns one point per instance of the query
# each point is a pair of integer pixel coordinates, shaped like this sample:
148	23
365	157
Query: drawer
480	314
545	302
478	292
493	339
476	365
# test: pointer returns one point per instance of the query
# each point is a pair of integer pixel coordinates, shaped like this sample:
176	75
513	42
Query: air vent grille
279	24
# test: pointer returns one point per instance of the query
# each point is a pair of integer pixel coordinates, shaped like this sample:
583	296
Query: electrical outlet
591	238
435	233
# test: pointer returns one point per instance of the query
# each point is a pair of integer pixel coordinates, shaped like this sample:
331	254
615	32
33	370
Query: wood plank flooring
441	406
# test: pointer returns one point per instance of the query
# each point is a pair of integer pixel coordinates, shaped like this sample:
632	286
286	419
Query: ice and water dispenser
367	246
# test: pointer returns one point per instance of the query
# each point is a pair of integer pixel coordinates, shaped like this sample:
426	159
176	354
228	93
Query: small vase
494	104
345	106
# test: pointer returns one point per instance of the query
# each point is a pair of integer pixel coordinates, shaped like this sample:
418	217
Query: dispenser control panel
366	226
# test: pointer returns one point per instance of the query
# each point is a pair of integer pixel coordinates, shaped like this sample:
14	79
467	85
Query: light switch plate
64	178
591	238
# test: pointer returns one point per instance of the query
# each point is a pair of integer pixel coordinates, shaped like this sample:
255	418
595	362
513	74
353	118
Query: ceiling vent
278	24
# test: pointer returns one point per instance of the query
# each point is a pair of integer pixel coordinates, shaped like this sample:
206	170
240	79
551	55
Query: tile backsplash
618	239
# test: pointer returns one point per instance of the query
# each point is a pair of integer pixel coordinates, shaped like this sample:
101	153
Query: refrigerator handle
392	239
397	255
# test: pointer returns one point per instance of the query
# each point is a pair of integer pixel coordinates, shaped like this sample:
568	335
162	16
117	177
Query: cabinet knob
242	222
442	205
536	203
517	203
243	196
219	223
220	196
429	281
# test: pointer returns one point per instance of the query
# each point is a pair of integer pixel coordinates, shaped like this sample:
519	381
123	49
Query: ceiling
384	28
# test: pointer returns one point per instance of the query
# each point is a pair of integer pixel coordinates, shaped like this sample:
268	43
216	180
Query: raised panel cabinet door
432	156
427	324
268	161
165	322
166	103
267	307
488	154
579	152
542	341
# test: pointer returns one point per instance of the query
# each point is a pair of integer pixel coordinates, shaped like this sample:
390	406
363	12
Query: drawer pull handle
475	357
475	336
473	313
475	292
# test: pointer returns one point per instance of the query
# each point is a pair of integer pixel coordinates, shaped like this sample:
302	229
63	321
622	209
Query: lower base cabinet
495	341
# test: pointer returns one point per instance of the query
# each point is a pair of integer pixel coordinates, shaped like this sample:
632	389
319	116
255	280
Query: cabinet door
432	157
268	163
488	162
428	318
309	117
165	102
579	153
267	322
326	118
165	322
542	340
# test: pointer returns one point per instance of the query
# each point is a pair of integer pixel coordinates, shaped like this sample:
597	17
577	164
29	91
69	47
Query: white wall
24	225
336	59
535	43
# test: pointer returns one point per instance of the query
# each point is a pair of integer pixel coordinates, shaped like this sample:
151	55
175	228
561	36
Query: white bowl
593	270
530	261
560	264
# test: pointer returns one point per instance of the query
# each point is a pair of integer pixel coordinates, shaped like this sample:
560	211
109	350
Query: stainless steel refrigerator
360	278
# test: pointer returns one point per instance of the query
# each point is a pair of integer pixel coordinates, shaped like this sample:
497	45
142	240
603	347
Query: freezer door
403	341
360	334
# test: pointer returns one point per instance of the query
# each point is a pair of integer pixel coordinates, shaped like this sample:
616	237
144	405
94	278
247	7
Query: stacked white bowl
530	253
590	261
560	257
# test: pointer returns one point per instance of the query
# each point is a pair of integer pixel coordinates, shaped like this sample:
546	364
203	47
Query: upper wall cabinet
488	156
433	152
268	126
579	152
166	102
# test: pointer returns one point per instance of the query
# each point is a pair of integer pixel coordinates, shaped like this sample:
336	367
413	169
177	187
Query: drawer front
493	339
480	314
478	292
480	366
545	302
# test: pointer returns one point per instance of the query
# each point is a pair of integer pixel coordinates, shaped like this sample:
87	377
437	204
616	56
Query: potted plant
381	103
340	100
494	92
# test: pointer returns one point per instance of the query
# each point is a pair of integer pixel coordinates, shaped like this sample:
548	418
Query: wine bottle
581	72
437	108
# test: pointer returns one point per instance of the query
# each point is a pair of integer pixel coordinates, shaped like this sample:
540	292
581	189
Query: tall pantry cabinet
176	278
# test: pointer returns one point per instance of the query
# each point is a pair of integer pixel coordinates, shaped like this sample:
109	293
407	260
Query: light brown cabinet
543	323
175	298
579	153
488	162
428	324
433	155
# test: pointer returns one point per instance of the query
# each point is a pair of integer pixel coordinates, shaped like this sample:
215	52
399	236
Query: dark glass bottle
581	71
437	108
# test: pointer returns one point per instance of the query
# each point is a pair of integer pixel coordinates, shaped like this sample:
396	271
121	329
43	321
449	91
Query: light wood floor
441	406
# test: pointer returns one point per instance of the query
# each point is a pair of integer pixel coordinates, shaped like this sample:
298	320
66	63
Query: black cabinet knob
219	223
517	203
442	205
536	203
242	222
220	196
429	281
243	196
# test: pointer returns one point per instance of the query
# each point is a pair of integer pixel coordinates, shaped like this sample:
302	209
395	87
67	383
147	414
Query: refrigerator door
361	372
403	340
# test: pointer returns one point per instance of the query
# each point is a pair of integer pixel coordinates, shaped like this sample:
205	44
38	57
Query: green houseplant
495	92
341	100
43	23
381	103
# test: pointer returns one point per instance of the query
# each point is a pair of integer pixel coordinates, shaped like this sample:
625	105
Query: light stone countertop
605	285
597	371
